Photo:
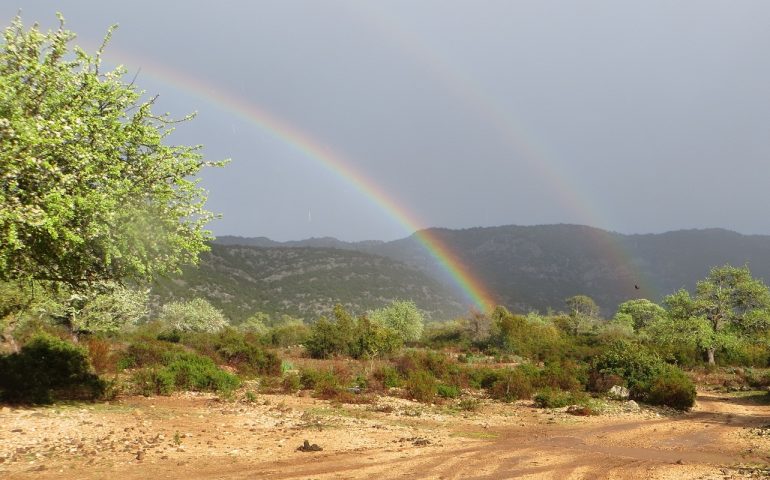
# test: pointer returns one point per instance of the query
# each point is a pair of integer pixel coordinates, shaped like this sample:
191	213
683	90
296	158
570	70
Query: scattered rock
307	447
618	392
140	455
631	406
679	462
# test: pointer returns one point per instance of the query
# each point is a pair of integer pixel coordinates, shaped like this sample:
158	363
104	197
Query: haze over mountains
537	267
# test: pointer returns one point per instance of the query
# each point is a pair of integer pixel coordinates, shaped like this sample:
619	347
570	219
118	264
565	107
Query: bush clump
421	386
510	385
555	398
48	369
672	388
647	376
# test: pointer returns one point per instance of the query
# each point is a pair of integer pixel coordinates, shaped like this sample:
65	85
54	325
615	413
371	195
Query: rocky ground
193	436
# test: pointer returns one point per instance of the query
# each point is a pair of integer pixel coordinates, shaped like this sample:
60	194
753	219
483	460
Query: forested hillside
537	267
304	282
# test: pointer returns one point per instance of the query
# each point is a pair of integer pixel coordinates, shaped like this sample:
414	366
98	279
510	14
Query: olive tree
729	306
403	317
196	315
91	187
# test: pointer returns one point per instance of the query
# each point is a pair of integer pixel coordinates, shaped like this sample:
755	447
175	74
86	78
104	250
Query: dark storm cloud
633	116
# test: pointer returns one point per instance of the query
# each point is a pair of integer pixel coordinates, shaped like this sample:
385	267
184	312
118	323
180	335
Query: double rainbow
461	274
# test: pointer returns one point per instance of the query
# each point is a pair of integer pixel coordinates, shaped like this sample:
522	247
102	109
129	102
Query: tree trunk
710	353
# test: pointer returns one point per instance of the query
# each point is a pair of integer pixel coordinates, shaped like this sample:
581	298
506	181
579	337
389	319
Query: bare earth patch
199	437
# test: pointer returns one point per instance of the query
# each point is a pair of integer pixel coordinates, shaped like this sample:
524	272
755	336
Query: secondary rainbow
461	273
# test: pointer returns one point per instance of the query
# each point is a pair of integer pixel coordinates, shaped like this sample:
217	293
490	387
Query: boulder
618	392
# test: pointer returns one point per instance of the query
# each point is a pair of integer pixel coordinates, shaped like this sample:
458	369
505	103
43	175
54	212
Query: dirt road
197	437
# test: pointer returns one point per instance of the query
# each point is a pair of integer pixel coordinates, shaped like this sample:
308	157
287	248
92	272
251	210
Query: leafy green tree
197	315
639	313
257	323
91	188
107	309
403	317
729	306
583	312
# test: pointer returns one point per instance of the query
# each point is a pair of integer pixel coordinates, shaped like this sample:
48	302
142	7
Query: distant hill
304	282
537	267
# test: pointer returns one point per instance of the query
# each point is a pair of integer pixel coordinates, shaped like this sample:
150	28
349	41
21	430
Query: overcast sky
640	116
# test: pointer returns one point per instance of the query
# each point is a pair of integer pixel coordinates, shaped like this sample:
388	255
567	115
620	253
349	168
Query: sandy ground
199	437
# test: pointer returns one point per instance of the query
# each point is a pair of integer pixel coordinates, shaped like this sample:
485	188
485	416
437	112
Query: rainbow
462	276
521	142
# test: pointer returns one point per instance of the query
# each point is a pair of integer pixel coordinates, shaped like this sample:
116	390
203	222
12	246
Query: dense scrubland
62	347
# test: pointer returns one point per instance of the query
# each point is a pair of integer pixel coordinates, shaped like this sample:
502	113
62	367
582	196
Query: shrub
511	385
146	353
153	381
326	340
447	391
235	349
197	373
554	398
197	315
48	369
567	375
388	377
469	404
648	378
672	388
291	383
101	355
421	386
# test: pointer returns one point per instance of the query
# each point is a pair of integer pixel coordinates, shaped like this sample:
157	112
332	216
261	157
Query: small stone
140	455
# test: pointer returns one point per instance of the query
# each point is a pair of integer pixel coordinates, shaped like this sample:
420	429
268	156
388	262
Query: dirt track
195	437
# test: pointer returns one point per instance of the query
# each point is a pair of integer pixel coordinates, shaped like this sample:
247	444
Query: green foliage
647	377
402	317
289	333
672	388
510	385
193	372
291	383
358	338
196	315
388	377
729	307
247	356
448	391
92	189
153	381
107	307
555	398
639	313
325	340
182	370
536	339
421	385
48	369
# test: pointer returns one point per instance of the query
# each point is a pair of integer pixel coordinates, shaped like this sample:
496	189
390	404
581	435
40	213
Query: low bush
554	398
447	391
153	381
198	373
388	377
672	388
511	385
291	383
646	375
184	371
48	369
148	352
421	386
